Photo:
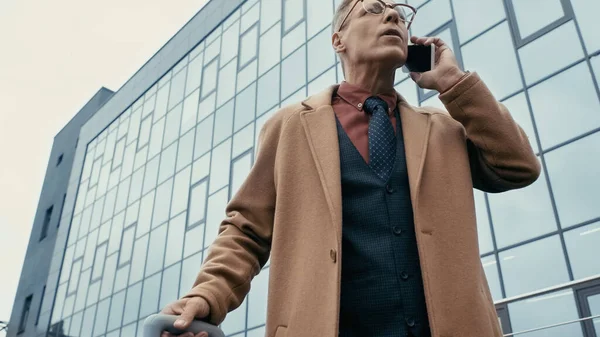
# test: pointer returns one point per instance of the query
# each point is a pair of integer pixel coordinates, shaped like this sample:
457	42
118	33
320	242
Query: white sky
54	55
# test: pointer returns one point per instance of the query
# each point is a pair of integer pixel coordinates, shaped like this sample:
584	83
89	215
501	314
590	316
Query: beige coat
290	207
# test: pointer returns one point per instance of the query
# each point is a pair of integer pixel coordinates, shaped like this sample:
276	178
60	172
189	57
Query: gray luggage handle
154	325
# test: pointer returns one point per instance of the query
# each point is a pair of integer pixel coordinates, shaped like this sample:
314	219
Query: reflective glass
219	168
226	82
132	214
204	135
185	150
75	326
99	261
145	216
490	267
90	249
241	168
292	40
243	140
257	299
111	140
163	199
250	17
129	330
170	285
573	176
322	82
293	12
295	98
132	303
74	280
172	125
190	112
245	104
129	155
197	209
268	54
207	106
247	75
137	179
101	317
177	89
572	91
270	13
150	295
235	320
431	16
122	195
483	224
533	266
88	322
193	240
194	75
229	47
167	163
249	45
84	282
268	91
583	250
109	204
108	277
140	158
180	191
320	54
149	106
533	52
493	57
258	332
189	271
209	78
548	309
180	65
216	204
121	278
92	296
595	61
293	71
223	122
473	17
126	245
586	14
151	175
201	168
175	240
318	16
162	99
156	138
138	260
519	110
533	15
212	50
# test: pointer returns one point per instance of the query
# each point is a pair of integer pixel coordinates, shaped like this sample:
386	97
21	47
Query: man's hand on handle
187	309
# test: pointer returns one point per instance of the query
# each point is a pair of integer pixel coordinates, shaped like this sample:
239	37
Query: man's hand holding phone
445	73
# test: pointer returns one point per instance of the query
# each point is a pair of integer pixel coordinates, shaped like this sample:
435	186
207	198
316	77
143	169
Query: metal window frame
239	157
242	66
292	27
189	225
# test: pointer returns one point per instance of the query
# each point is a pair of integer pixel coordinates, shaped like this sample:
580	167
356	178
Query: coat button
333	255
410	322
389	189
404	275
397	230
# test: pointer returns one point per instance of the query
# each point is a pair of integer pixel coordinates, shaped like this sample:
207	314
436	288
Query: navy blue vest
382	289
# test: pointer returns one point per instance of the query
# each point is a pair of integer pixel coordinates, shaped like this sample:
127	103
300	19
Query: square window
270	13
248	46
583	250
474	17
229	49
532	16
293	12
586	12
431	16
268	91
318	16
293	39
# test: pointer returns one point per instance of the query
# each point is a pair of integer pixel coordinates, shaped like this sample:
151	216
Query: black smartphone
420	58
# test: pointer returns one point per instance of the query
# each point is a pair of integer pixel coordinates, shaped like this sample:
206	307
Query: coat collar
320	127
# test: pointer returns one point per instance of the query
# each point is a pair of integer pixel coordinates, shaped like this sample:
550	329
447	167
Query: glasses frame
387	5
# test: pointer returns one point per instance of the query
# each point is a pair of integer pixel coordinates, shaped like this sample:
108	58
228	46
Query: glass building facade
155	175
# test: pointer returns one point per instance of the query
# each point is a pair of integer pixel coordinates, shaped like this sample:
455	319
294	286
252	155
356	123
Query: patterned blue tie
382	140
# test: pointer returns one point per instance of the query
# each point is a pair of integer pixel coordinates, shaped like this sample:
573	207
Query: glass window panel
132	213
249	45
68	307
138	260
103	180
293	70
185	150
201	168
235	320
194	75
204	135
101	317
257	299
193	240
212	50
432	16
75	326
110	147
229	49
99	261
121	278
126	245
116	310
227	83
172	125
533	52
483	224
473	17
84	282
85	222
531	19
223	123
247	75
190	111
519	110
177	89
292	40
108	277
74	280
163	199
207	106
322	82
268	54
320	54
241	169
122	195
95	173
250	17
180	65
245	107
151	175
137	180
129	330
209	80
149	106
150	295
586	14
583	250
318	16
162	98
115	235
156	138
93	293
145	216
90	250
260	122
132	303
522	214
180	191
189	271
215	215
243	140
573	177
258	332
67	263
408	90
219	167
295	98
490	267
270	13
170	285
109	205
144	132
548	309
134	126
493	57
129	155
197	203
533	266
572	91
175	240
293	12
167	163
140	158
80	248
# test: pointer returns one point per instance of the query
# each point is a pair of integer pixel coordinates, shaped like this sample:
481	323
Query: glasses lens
373	6
377	7
406	14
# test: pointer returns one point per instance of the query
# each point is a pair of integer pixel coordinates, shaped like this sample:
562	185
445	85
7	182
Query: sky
54	56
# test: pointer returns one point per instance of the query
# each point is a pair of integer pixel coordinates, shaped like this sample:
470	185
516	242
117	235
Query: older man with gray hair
365	203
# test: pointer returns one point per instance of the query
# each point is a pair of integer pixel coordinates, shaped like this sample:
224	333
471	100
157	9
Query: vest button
397	230
404	275
389	189
333	255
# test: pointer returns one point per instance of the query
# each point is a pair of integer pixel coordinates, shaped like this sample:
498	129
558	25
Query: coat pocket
281	331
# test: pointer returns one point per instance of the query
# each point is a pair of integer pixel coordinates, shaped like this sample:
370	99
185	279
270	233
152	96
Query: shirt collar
356	96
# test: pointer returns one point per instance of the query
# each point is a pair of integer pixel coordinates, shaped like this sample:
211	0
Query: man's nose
392	15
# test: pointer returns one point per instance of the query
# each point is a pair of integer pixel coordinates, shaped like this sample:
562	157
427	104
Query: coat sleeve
500	154
243	245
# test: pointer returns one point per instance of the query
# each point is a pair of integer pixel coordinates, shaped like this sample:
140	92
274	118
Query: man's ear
336	42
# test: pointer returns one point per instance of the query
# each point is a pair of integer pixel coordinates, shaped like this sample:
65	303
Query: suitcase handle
155	324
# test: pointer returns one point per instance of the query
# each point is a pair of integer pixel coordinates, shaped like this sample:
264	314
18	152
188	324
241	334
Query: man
365	203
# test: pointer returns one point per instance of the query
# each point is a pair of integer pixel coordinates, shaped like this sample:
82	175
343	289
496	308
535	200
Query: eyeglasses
407	13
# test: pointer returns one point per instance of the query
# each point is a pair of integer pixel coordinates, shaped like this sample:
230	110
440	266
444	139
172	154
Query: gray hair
338	16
